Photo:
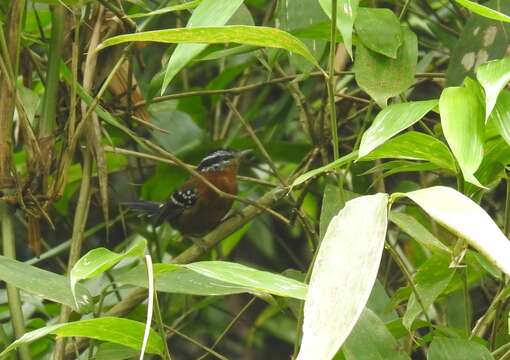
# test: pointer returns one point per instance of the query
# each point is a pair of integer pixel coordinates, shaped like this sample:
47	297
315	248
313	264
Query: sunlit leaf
382	77
256	280
493	76
99	260
501	115
345	16
462	119
240	34
417	146
466	219
354	240
116	330
379	30
43	283
484	11
392	120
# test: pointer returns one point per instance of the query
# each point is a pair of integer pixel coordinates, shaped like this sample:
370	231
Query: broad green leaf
208	13
43	283
347	263
184	6
99	260
431	279
443	348
462	119
417	146
399	166
392	120
319	31
116	330
256	280
329	167
178	280
332	203
501	115
345	16
371	339
240	34
493	76
111	351
382	77
465	218
379	30
417	231
484	11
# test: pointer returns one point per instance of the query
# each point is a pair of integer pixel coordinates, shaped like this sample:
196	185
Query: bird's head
222	159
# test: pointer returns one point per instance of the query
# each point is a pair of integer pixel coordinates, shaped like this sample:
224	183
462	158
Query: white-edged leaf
343	275
392	120
465	218
99	260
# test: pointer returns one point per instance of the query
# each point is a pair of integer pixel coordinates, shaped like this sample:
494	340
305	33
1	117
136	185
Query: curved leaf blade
392	120
354	240
462	120
484	11
241	34
493	76
465	218
501	115
347	11
115	330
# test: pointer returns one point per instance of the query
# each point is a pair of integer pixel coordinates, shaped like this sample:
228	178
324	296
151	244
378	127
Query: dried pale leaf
347	263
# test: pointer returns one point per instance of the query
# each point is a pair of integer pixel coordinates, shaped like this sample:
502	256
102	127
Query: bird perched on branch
196	208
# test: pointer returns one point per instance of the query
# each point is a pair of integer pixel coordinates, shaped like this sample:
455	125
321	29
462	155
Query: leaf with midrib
240	34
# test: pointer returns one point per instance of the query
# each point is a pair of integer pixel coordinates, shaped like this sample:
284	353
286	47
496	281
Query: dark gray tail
144	208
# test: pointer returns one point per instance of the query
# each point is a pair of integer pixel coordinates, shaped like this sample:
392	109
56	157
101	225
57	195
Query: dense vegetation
372	217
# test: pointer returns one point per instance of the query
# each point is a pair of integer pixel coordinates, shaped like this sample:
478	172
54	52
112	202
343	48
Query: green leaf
256	280
343	275
43	283
111	351
392	120
240	34
208	13
431	279
332	203
345	16
382	77
379	30
116	330
501	115
371	339
465	218
462	119
493	76
443	348
184	6
484	11
177	280
99	260
417	146
329	167
417	231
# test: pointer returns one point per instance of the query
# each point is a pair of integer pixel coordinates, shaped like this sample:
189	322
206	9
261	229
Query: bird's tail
144	208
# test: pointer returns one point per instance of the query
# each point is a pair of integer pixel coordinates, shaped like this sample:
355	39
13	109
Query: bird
195	208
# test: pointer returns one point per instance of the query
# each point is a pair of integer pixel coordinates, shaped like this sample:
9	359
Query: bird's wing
176	204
